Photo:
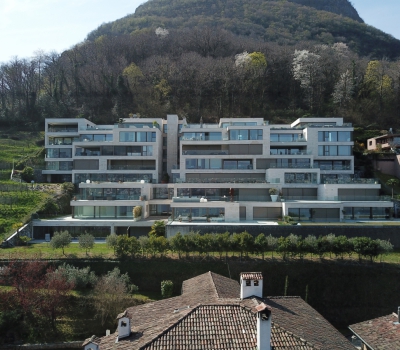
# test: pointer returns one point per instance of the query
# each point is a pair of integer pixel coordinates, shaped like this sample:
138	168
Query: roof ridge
213	283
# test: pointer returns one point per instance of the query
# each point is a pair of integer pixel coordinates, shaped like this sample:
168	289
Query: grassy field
17	203
24	146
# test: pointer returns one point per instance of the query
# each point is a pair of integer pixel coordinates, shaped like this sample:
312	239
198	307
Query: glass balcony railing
363	198
106	198
130	167
350	181
205	152
220	180
62	129
332	167
285	152
290	166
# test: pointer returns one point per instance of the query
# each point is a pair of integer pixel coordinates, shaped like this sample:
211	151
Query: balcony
130	167
350	181
62	129
205	153
290	166
107	198
221	180
289	153
332	167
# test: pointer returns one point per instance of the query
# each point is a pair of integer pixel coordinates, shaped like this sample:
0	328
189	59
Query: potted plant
273	192
165	178
190	217
155	125
137	213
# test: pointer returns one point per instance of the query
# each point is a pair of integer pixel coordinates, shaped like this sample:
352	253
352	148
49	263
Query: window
256	283
248	283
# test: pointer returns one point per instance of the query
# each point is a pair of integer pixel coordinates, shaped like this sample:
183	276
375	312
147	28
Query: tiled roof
297	317
252	275
213	284
382	333
210	315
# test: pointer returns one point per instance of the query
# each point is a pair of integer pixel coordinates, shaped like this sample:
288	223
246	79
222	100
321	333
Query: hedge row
243	244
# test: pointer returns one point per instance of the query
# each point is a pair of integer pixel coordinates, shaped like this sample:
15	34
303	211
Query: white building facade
221	172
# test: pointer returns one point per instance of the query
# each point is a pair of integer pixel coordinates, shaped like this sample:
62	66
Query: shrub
167	287
27	174
80	278
137	211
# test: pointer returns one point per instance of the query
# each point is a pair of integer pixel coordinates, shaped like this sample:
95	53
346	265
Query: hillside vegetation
279	60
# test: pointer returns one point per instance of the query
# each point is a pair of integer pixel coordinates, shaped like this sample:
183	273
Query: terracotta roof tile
382	333
210	315
252	275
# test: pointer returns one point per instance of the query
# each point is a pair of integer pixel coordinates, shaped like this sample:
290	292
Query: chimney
264	321
124	325
251	284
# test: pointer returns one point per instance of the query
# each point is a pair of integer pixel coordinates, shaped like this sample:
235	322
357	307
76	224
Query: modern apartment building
221	172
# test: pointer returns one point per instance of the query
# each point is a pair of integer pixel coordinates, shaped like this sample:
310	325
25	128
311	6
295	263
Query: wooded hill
279	60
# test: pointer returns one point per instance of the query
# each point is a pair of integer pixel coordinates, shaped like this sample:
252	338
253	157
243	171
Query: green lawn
23	147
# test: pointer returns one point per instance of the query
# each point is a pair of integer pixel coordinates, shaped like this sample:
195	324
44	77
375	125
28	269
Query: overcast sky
27	26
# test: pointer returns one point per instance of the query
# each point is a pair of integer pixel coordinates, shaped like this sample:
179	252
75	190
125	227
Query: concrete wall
391	233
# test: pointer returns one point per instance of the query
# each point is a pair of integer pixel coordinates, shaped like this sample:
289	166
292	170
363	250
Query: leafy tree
341	246
367	247
272	243
111	295
37	292
144	242
157	229
307	70
167	287
27	174
311	243
385	247
60	240
111	241
80	278
261	244
177	244
86	241
127	246
344	89
158	245
392	183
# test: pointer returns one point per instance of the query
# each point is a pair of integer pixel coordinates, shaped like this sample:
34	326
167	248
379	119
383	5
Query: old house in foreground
215	312
382	333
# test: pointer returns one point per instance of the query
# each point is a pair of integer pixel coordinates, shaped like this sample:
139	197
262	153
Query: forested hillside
214	58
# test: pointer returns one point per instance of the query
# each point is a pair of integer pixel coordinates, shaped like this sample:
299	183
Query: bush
27	174
80	278
167	287
137	211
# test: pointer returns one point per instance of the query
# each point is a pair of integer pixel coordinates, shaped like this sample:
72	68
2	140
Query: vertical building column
172	142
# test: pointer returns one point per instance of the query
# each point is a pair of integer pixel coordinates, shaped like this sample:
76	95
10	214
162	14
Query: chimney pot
264	324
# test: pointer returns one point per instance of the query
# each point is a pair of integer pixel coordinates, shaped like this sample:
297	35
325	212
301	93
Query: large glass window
334	136
59	152
137	136
243	134
286	137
